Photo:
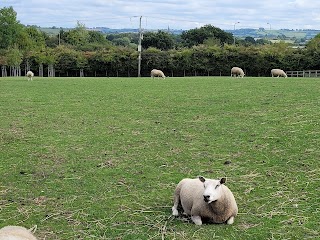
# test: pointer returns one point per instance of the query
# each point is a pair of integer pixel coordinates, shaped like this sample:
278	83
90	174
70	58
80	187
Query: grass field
99	158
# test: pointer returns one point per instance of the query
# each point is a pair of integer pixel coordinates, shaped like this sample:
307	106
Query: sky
173	14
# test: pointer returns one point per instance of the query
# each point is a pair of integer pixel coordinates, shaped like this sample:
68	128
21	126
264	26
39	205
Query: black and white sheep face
212	189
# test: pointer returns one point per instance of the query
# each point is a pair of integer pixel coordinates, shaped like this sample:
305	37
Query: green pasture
99	158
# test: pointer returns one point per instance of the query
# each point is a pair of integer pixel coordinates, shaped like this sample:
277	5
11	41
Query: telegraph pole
139	49
234	32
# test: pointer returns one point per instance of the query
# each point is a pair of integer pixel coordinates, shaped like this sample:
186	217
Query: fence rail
304	73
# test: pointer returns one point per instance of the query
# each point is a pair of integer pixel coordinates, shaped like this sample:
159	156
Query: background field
99	158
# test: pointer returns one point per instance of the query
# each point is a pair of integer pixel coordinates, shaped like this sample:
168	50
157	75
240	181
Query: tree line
197	52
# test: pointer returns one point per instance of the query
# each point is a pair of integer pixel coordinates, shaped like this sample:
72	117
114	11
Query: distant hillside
306	34
52	31
55	30
285	34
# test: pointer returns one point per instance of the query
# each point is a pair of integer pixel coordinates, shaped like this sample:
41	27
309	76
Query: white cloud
181	14
306	4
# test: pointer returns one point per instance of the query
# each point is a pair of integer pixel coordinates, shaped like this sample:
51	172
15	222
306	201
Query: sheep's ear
223	180
202	179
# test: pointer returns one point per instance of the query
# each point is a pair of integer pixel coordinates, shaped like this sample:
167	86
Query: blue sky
175	14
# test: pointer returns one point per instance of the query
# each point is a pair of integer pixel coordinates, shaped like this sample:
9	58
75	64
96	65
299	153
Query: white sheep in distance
16	233
278	73
205	199
30	75
237	72
157	73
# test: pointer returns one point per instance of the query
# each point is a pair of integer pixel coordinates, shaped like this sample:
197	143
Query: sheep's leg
176	199
175	211
230	220
197	220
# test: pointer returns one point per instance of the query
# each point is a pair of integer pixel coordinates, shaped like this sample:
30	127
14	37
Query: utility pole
139	49
234	32
269	25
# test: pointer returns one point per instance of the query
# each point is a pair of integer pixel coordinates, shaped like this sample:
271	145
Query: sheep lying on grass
30	75
278	73
205	199
16	233
237	72
157	73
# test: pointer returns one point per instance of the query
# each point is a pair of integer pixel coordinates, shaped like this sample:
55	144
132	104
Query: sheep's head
212	189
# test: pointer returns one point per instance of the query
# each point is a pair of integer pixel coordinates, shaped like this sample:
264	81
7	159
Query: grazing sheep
30	75
237	72
157	73
205	199
278	73
16	233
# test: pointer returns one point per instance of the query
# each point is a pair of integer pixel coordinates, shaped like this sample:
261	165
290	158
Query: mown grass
99	158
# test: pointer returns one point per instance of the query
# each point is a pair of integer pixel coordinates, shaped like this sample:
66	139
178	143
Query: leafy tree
82	39
161	40
66	59
52	41
35	38
96	37
212	42
183	60
10	28
262	41
250	40
100	61
78	36
133	37
312	53
81	60
314	44
274	55
294	60
125	41
3	58
123	60
282	36
29	41
14	58
63	35
153	58
199	35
